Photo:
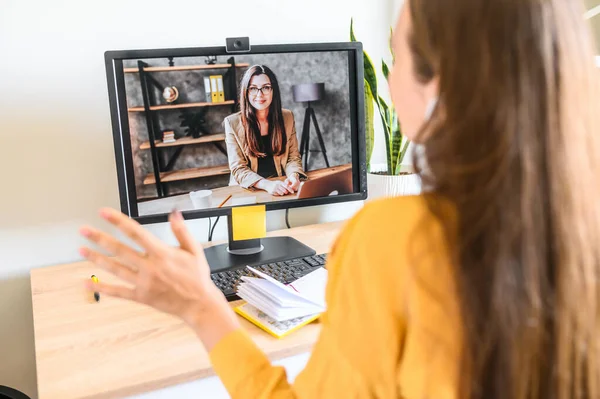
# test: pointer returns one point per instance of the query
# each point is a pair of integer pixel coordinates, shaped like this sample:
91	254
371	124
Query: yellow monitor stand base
254	252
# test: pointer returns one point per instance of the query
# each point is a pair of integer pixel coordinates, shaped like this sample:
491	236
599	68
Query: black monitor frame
122	143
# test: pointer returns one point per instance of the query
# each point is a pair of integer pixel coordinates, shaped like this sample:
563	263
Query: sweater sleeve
350	356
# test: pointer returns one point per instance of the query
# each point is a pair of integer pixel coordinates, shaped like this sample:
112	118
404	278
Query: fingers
112	245
293	184
111	290
283	189
280	190
275	189
133	230
183	235
108	264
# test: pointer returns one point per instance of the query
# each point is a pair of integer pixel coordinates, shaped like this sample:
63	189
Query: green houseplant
396	145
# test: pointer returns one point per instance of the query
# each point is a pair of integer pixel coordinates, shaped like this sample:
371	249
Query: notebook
278	308
278	329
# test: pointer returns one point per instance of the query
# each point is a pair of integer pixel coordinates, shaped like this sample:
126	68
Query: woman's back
391	329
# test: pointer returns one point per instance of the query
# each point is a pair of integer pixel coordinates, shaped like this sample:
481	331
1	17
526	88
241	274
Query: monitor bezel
118	106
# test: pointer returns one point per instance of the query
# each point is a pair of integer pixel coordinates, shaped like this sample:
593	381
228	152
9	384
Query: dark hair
275	118
513	144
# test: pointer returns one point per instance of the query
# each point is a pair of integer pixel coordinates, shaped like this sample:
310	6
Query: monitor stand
254	252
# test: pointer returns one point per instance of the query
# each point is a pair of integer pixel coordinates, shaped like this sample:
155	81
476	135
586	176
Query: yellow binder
213	89
221	93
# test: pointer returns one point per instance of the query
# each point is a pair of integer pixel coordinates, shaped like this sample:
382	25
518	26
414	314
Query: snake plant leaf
352	37
395	150
369	69
369	127
370	75
370	88
397	139
401	158
396	145
385	69
383	110
391	46
385	121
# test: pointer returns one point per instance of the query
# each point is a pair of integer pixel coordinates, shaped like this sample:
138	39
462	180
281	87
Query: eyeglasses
265	90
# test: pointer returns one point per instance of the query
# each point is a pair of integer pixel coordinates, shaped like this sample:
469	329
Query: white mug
201	199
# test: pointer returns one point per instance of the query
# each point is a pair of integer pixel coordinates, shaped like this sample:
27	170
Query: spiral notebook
279	308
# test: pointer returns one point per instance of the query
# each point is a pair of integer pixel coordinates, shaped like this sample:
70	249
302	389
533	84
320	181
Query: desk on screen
240	196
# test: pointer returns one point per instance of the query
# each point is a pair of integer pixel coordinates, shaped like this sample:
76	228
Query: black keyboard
285	271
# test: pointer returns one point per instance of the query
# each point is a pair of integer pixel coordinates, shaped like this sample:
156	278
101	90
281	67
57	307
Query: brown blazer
244	166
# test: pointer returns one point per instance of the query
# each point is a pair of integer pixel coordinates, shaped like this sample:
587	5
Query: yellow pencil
225	200
96	294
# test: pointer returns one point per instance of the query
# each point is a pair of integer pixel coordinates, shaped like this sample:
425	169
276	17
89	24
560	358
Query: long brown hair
275	118
514	145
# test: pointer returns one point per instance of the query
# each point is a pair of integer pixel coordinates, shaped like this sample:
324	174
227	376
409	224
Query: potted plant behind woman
397	178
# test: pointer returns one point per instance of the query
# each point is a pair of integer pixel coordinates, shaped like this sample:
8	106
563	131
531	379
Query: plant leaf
392	132
384	111
391	46
401	158
385	69
369	69
369	128
370	75
396	140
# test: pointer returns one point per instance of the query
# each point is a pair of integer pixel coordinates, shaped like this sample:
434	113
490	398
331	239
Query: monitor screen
200	130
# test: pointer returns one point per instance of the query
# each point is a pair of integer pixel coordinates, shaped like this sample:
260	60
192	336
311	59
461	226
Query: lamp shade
308	92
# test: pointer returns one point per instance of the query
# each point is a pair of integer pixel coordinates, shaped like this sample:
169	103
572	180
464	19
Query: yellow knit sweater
391	329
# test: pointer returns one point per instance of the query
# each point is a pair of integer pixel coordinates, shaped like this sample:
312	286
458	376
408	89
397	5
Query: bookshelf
164	155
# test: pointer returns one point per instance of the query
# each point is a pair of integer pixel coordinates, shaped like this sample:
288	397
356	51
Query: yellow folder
221	93
213	89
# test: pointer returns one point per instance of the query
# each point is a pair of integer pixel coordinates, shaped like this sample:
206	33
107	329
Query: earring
430	108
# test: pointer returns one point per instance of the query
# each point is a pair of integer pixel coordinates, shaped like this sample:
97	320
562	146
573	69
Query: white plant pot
381	186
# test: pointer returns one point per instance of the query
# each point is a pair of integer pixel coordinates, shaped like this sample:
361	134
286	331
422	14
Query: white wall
56	153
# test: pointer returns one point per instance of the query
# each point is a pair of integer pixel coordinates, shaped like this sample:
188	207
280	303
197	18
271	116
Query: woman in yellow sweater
486	286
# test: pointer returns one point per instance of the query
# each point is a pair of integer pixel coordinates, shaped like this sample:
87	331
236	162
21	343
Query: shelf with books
220	89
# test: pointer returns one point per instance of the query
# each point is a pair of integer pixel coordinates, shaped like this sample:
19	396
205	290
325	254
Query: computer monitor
205	129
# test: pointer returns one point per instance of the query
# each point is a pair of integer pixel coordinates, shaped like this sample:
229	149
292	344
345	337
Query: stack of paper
280	308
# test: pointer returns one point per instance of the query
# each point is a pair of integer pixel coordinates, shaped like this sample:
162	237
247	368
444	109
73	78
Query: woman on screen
261	138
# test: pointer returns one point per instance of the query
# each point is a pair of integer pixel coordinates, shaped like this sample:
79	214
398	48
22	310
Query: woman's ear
430	108
432	88
431	96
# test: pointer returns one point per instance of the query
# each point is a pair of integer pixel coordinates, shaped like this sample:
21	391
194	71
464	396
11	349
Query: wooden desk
184	203
116	348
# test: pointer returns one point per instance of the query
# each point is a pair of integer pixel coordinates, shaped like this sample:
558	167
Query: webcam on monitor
237	44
